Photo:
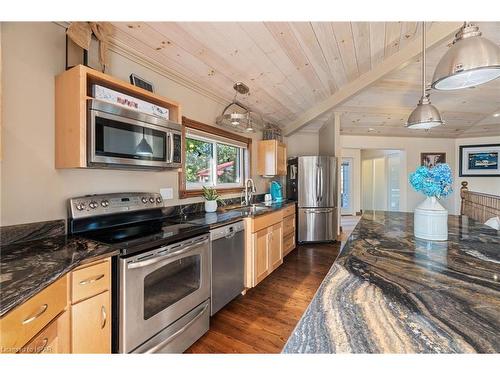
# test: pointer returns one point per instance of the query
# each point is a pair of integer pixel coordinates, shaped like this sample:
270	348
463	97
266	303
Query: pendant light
425	116
471	61
144	148
238	117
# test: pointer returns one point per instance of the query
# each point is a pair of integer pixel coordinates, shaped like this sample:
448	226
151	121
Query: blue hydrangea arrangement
433	182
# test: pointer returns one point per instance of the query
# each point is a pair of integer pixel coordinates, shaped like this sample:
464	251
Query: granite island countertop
388	292
28	267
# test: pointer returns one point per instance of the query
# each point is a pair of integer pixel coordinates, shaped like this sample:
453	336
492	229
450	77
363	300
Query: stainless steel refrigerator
312	182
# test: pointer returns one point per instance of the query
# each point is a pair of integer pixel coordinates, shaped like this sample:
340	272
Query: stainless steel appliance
122	138
228	262
312	182
161	279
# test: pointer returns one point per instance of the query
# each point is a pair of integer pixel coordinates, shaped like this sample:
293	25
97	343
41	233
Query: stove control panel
105	204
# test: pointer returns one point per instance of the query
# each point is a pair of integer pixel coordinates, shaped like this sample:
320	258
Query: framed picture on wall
430	159
479	161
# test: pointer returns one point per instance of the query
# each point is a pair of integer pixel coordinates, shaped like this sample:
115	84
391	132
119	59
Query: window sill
199	193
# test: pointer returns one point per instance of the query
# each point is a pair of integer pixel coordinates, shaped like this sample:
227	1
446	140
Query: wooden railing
478	206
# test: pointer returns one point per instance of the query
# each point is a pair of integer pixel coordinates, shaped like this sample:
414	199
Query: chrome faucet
249	190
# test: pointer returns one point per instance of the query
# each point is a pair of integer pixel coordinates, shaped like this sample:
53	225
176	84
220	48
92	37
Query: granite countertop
28	267
388	292
219	218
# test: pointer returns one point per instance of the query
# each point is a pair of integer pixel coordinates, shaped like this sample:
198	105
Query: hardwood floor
262	320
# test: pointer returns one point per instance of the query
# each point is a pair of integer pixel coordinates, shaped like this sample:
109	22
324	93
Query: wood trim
193	124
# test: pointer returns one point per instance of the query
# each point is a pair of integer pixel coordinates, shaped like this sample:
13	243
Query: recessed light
496	115
371	130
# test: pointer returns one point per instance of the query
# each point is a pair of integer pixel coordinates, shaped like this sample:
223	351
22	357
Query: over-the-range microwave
122	138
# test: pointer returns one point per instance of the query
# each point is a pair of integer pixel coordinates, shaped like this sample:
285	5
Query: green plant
210	194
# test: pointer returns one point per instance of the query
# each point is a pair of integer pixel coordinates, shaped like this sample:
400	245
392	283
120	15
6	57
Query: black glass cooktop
142	236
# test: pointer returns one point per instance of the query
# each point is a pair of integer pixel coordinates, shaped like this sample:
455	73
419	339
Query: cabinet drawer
264	221
90	281
288	243
289	210
53	339
288	225
24	322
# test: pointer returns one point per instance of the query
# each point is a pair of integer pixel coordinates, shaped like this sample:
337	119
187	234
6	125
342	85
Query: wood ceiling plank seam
210	56
259	101
343	35
270	47
331	53
409	30
283	34
392	38
361	37
147	49
305	35
377	43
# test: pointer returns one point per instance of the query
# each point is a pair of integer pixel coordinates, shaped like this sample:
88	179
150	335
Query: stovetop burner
127	223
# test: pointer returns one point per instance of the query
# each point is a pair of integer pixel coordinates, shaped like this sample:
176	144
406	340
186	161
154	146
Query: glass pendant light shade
425	116
471	61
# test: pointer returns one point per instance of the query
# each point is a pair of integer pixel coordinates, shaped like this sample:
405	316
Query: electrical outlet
167	193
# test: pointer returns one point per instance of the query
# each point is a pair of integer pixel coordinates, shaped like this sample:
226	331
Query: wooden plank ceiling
291	66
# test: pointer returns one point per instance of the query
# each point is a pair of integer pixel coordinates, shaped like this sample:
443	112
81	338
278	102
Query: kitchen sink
251	209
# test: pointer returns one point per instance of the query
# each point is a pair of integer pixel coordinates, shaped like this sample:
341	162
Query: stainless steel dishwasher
228	262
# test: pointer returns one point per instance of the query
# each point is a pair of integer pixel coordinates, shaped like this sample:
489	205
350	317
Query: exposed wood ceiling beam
437	33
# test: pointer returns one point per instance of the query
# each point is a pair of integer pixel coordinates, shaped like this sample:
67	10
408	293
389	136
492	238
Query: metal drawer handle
45	341
103	317
91	279
179	332
40	311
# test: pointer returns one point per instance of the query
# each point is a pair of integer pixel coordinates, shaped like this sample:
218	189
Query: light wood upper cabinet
73	90
271	158
91	325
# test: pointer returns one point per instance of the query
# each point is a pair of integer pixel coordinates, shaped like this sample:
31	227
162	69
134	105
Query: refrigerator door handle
321	184
318	210
317	184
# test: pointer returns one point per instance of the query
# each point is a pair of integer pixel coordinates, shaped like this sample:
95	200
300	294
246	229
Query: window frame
245	157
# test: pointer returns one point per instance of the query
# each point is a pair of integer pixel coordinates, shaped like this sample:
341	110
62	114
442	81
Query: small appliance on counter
276	191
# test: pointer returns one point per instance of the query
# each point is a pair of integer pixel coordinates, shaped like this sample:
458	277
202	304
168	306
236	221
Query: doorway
346	185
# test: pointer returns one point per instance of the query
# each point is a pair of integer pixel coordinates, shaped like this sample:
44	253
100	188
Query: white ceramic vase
210	206
431	220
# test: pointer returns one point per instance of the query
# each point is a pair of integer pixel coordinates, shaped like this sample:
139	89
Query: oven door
159	287
120	141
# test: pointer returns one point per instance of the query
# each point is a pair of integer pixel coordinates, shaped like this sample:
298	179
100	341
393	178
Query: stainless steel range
162	275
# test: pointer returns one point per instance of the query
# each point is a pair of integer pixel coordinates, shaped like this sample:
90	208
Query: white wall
302	144
31	188
326	141
490	185
410	160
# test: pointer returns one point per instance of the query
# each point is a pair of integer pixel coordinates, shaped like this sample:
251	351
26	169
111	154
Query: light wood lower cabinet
289	232
276	246
264	246
91	325
53	339
72	315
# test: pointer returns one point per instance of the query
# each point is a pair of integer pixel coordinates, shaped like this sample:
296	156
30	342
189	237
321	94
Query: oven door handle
162	344
154	260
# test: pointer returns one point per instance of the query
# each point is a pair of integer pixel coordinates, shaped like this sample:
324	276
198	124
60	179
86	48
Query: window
214	158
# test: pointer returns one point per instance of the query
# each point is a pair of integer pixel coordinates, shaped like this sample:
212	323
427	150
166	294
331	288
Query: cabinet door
261	251
281	159
276	245
91	325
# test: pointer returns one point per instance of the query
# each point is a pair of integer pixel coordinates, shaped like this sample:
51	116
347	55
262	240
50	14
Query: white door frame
350	209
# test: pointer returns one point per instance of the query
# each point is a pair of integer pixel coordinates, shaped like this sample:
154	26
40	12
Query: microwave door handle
171	160
157	259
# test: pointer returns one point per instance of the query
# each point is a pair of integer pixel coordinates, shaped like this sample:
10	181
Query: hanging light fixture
425	116
238	117
471	61
144	148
